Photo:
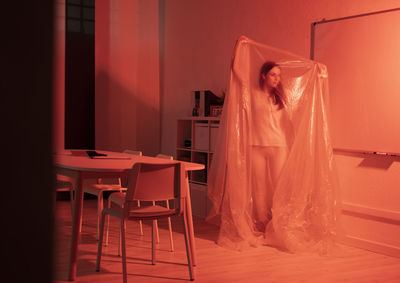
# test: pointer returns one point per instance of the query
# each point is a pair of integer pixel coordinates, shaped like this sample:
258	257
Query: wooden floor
215	264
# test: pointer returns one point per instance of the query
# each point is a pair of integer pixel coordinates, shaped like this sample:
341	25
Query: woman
261	168
269	141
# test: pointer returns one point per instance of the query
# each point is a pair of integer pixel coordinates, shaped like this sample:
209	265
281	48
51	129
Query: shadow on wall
370	160
378	162
125	118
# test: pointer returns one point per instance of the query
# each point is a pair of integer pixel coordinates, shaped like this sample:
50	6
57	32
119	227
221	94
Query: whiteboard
362	54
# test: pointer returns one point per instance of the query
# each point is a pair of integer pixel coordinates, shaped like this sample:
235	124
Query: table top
113	161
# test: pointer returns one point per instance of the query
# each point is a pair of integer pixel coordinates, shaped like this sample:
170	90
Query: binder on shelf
202	102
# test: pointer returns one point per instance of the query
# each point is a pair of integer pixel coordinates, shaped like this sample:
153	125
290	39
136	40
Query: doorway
79	74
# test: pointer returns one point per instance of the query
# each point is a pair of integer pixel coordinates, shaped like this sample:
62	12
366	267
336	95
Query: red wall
59	75
127	76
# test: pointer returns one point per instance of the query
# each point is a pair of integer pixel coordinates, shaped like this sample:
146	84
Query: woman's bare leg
260	183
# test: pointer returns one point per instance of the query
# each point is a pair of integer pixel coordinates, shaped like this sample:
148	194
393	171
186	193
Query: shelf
202	158
184	134
198	183
184	155
184	148
200	134
200	118
200	201
193	150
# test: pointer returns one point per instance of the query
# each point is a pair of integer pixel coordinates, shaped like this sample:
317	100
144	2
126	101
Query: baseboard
382	215
377	219
372	246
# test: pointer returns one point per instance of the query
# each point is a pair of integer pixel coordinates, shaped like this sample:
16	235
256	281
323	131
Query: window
79	74
80	16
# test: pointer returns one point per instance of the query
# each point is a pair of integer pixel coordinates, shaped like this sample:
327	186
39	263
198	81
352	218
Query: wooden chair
108	185
118	200
148	183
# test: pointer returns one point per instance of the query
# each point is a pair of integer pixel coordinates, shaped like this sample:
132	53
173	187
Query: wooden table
77	165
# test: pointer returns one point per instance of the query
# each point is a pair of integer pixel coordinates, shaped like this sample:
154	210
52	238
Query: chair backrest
154	182
160	155
134	152
64	183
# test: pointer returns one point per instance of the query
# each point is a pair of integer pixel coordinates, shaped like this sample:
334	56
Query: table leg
75	227
190	222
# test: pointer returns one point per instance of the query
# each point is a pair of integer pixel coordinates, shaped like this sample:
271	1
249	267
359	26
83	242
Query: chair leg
81	220
100	206
124	271
153	242
119	241
171	240
170	230
158	235
100	244
108	223
188	251
71	198
107	231
140	221
119	238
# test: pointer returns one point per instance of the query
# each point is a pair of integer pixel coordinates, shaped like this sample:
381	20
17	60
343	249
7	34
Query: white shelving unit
195	143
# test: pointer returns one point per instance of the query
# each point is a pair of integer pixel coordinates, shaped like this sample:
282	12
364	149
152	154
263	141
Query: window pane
88	27
88	13
73	25
73	12
74	2
89	3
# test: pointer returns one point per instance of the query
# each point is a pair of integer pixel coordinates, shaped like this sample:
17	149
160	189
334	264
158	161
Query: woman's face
272	78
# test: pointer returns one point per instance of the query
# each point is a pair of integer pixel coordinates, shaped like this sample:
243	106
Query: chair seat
150	212
146	212
63	185
117	198
95	189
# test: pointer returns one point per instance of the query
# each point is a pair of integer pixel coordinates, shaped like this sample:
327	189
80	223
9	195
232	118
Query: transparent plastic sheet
305	205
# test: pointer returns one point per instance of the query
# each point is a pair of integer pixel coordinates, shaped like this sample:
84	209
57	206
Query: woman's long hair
277	93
